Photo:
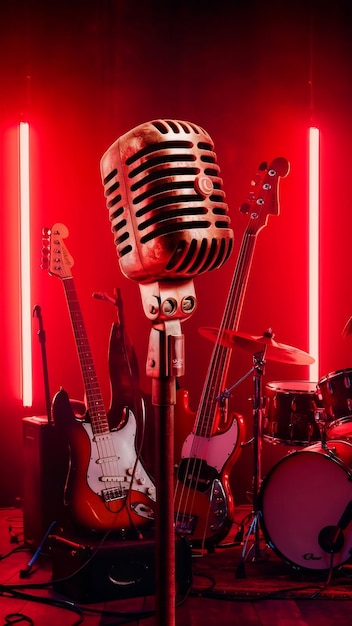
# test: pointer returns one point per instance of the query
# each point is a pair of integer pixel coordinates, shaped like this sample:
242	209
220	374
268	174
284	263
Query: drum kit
304	504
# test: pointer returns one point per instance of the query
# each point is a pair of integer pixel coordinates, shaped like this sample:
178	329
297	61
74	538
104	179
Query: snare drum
305	503
289	413
335	390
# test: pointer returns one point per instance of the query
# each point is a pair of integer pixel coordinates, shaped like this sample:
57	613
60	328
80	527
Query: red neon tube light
313	302
25	266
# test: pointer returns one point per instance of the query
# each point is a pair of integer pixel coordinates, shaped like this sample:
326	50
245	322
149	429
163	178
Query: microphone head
166	203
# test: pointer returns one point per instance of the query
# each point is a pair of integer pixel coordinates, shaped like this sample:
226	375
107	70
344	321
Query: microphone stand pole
164	400
165	362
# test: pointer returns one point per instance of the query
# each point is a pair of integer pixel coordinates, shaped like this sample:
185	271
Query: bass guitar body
204	504
107	487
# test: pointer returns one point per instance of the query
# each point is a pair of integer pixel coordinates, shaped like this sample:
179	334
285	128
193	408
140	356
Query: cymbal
274	351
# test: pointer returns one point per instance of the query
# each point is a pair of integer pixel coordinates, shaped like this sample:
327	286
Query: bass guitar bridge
185	524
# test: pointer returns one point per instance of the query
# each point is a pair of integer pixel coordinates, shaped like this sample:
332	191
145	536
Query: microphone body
166	203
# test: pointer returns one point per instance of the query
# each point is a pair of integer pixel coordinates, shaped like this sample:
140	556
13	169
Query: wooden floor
210	601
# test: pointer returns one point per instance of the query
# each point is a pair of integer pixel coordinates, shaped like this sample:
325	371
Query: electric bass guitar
204	504
109	488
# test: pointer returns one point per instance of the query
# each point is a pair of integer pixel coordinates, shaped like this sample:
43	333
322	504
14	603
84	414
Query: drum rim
290	442
287	390
340	421
333	374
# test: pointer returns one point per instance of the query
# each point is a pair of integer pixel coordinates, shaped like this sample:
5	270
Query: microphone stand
165	304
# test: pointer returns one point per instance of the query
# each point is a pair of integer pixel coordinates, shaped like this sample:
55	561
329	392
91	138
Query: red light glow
314	251
25	266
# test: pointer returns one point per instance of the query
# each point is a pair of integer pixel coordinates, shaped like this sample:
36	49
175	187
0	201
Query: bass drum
302	501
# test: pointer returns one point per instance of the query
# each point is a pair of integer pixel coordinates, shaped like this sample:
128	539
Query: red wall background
254	75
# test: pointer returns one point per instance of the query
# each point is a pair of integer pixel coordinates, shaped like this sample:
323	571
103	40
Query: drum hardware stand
258	369
225	395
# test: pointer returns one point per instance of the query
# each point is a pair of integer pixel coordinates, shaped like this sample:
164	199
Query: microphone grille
166	202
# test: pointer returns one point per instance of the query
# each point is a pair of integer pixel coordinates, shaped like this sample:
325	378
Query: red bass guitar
204	504
108	486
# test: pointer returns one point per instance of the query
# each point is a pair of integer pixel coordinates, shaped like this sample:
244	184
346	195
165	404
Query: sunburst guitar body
107	488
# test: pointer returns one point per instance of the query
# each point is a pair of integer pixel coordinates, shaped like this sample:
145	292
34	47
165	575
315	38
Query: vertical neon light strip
25	265
313	302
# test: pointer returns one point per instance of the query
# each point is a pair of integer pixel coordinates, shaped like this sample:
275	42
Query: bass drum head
301	502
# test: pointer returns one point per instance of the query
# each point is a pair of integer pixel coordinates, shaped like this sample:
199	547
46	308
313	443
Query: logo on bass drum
309	556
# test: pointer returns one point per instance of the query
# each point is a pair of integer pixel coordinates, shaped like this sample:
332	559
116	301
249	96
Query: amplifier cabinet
114	570
45	468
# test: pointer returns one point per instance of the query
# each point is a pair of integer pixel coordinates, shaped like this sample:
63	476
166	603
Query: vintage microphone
170	223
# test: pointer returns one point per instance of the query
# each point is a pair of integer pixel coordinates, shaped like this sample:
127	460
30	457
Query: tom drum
335	390
289	413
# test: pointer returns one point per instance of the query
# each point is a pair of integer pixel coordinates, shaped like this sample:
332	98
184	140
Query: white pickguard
112	464
215	450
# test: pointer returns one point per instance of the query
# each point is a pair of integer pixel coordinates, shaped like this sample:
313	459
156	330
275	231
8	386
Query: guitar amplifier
114	570
45	468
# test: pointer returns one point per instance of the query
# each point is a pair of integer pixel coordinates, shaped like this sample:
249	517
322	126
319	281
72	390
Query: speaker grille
153	179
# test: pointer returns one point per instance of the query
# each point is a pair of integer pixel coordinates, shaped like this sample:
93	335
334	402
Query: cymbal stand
258	371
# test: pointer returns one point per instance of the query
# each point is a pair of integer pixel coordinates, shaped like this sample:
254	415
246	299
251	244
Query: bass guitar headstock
263	198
